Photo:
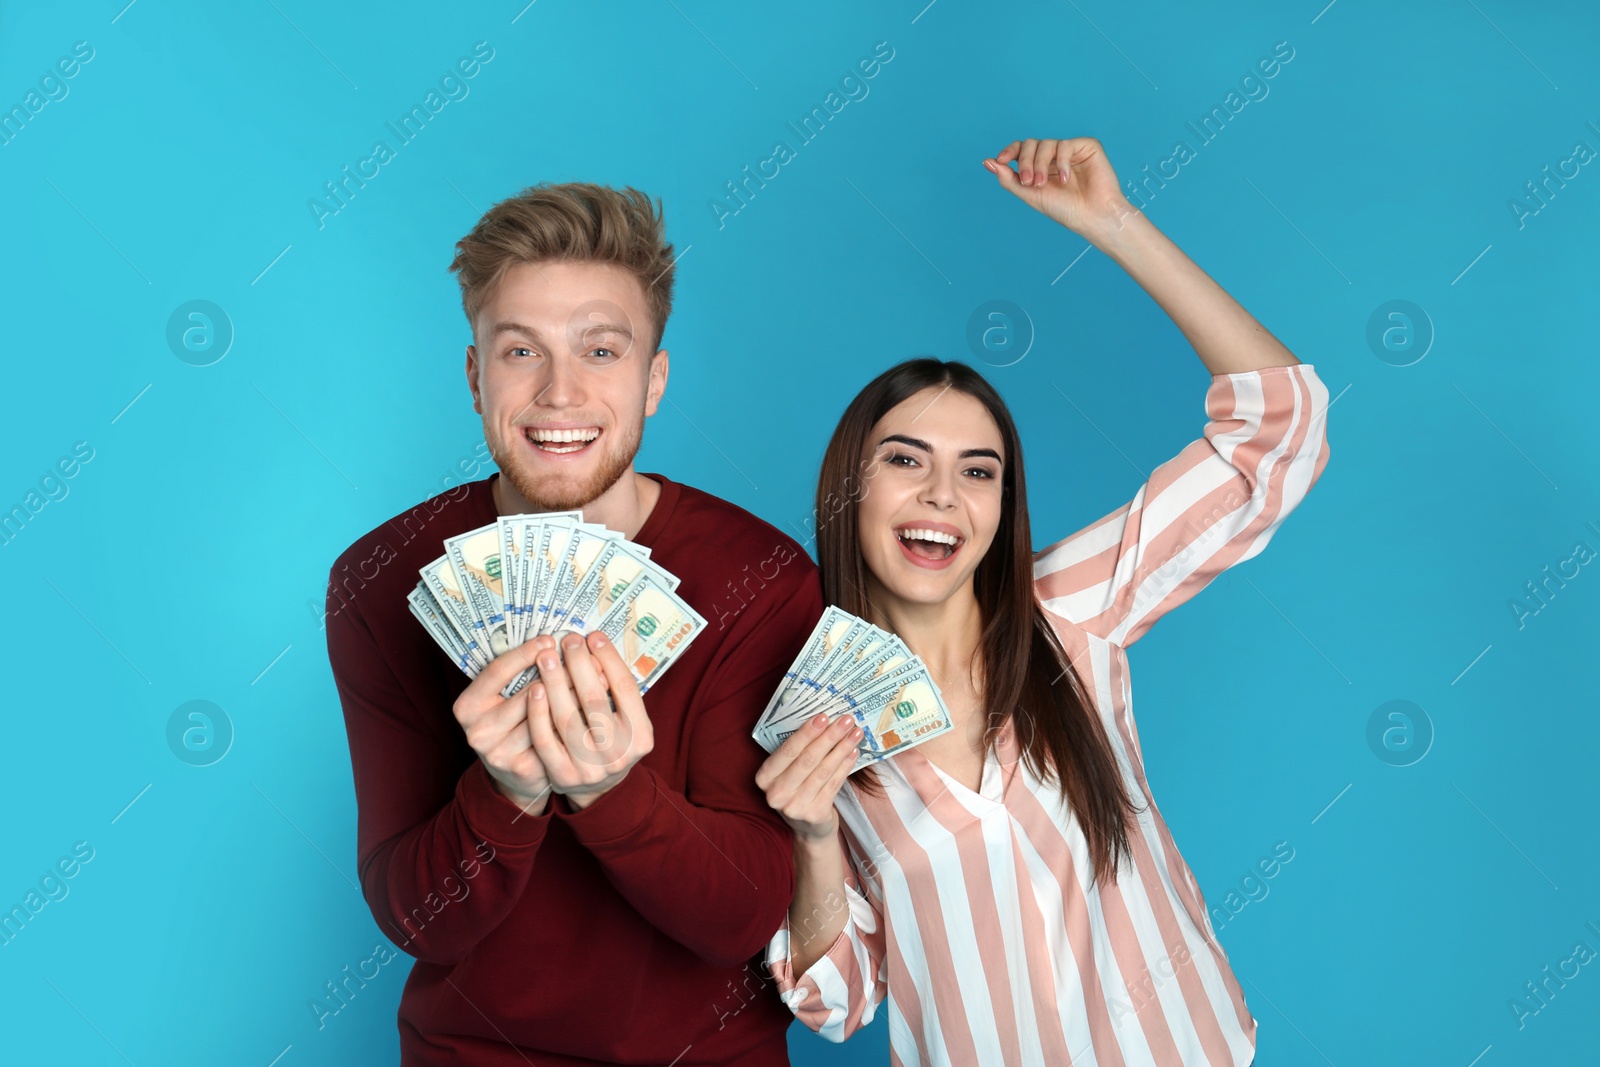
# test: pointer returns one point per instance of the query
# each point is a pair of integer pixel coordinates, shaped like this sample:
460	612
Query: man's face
563	377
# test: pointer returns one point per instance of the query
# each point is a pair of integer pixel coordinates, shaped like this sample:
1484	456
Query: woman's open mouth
561	442
931	545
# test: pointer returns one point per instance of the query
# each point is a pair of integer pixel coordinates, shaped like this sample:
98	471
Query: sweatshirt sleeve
839	993
1216	504
711	865
442	855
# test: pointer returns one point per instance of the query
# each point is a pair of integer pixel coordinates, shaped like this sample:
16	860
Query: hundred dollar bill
864	664
882	681
513	570
612	572
867	653
429	609
897	719
802	673
650	626
426	609
584	549
533	566
440	578
547	550
818	661
518	541
849	701
903	716
475	555
833	631
862	641
546	558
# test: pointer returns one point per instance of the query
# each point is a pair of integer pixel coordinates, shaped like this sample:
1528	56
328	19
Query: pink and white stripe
972	913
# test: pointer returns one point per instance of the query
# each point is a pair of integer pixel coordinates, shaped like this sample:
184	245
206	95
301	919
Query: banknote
526	575
651	626
439	578
867	654
822	656
802	675
896	720
864	661
427	611
475	557
851	667
583	550
606	577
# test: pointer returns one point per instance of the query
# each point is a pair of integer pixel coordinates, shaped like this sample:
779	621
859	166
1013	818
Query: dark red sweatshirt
629	931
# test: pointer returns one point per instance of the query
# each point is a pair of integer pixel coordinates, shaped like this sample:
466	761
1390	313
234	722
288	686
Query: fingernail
548	663
819	721
599	639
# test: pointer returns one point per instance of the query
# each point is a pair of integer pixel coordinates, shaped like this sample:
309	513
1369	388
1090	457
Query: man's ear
472	379
658	382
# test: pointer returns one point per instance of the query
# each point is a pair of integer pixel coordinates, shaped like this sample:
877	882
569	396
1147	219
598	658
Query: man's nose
562	387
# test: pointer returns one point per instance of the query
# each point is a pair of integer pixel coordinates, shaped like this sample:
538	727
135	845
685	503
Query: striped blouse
972	911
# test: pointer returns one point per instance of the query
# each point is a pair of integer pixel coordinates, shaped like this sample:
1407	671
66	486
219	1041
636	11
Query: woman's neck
946	635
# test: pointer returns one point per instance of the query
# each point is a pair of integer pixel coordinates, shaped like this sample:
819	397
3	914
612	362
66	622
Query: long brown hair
1061	736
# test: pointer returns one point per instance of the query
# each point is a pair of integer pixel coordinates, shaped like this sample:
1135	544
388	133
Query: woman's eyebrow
915	442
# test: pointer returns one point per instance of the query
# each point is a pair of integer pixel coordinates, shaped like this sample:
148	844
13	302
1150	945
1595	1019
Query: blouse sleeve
1215	504
840	993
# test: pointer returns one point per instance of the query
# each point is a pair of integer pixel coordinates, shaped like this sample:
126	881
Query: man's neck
624	507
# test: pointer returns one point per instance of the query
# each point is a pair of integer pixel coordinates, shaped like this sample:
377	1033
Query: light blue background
189	556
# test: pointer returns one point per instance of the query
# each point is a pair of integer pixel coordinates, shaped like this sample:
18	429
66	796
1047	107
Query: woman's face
932	500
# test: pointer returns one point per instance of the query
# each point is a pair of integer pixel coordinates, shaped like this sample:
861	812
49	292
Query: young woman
1010	885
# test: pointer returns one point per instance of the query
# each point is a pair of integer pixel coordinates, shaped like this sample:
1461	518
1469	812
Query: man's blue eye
514	351
602	351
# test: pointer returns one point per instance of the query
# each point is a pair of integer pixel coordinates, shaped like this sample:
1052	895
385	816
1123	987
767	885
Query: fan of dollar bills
851	667
548	573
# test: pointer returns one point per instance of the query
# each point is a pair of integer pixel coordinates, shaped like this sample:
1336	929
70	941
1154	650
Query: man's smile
561	440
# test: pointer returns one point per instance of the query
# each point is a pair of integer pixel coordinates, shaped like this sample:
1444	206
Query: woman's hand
1069	180
804	774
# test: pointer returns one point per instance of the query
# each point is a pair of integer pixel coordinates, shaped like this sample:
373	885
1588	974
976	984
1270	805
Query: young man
583	874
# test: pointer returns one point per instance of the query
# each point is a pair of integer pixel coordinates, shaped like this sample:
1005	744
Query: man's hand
1069	180
586	717
497	729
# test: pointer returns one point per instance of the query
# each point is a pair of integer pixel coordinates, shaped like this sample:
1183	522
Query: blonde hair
573	221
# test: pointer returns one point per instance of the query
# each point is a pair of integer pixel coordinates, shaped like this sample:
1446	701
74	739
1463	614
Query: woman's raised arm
1072	182
1219	501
